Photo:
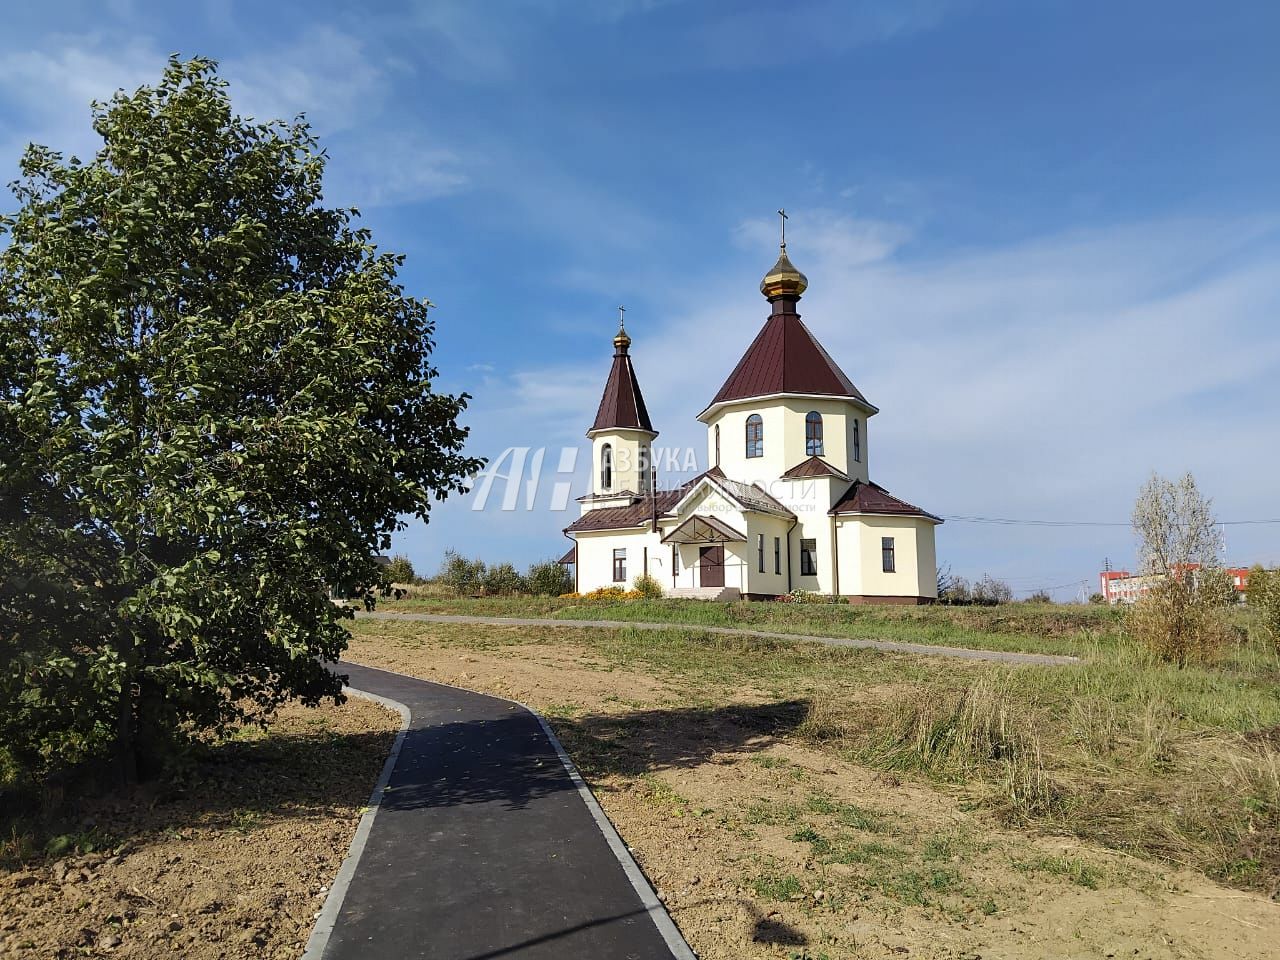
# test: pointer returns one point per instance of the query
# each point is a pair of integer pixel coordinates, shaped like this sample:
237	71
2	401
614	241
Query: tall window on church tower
857	442
717	444
755	436
813	434
606	467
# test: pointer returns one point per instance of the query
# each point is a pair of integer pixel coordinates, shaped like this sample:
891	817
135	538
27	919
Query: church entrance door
711	566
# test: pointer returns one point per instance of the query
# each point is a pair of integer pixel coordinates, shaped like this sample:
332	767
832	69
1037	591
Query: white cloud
47	92
326	73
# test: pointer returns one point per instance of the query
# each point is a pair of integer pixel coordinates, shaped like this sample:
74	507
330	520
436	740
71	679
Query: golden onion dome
784	280
622	341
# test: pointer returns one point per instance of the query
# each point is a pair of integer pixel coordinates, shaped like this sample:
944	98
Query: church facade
788	502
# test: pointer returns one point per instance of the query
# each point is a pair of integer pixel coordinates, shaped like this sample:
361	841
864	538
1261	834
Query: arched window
606	467
813	434
717	432
857	442
755	436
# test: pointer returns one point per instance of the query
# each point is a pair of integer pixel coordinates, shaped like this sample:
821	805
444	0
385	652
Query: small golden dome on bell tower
622	341
784	280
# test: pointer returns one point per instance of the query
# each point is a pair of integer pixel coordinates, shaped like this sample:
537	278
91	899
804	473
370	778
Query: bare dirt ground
762	846
233	864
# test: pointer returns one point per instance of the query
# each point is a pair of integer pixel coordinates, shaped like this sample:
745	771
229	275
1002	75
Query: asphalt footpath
485	846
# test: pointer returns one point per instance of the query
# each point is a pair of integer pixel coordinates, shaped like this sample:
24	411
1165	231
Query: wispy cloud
45	94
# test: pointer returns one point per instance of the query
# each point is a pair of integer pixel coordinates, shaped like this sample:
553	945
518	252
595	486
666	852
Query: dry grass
1126	749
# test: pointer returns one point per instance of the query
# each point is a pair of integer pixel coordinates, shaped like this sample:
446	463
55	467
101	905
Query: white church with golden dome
788	502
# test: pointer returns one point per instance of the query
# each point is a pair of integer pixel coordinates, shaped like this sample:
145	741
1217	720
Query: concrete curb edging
328	917
320	934
679	947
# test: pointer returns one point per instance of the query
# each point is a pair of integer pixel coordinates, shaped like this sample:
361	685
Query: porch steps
722	594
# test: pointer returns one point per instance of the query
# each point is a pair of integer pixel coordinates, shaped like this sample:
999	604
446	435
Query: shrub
1040	596
1179	623
1097	599
400	570
954	590
461	575
548	579
989	592
502	579
1267	602
805	596
1260	579
647	586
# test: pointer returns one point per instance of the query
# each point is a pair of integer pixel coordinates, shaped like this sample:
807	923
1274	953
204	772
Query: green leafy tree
400	570
503	579
548	578
465	577
215	402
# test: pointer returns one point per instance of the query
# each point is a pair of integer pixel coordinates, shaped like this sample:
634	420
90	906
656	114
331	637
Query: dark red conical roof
786	358
622	405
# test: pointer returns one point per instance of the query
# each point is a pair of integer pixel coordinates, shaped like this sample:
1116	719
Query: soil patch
234	863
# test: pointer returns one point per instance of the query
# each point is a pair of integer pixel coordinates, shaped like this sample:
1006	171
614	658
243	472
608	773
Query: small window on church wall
760	550
808	558
644	470
886	552
675	559
755	436
777	554
717	433
857	442
620	565
606	467
813	434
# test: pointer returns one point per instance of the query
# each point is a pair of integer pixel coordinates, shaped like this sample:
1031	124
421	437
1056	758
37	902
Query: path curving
891	646
482	842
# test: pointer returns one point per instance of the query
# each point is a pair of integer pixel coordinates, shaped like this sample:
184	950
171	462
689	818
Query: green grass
1078	871
778	887
1034	628
1177	763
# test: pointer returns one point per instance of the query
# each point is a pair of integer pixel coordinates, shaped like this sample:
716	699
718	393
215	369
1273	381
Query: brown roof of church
622	404
786	358
622	518
642	511
814	467
570	557
872	498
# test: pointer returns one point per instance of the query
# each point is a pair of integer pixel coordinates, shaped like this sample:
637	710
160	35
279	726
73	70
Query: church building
788	502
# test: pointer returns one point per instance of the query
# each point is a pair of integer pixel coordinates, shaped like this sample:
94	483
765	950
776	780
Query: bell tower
622	435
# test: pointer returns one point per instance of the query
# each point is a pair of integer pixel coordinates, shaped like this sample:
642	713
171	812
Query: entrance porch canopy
700	529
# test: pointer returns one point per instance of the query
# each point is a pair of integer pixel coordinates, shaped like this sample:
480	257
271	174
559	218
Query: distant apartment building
1121	586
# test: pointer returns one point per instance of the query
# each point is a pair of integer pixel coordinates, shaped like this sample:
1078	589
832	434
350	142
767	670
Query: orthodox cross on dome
783	214
621	341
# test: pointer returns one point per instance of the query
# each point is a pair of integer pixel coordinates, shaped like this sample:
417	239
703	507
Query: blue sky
1042	237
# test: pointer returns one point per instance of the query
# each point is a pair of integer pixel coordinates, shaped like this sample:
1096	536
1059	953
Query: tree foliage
400	570
1181	618
548	578
215	401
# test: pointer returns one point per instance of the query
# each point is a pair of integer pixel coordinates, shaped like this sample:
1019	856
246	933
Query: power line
1084	523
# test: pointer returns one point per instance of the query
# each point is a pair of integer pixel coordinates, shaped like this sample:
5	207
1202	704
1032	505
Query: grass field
1032	628
1177	763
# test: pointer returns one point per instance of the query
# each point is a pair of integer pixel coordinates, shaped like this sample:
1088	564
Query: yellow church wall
861	562
784	437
